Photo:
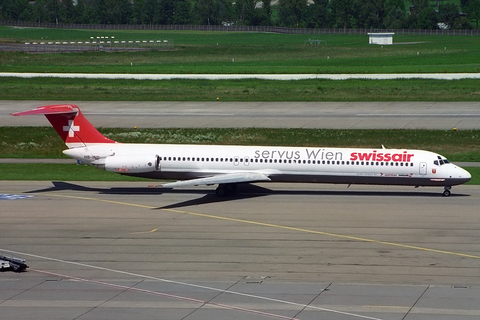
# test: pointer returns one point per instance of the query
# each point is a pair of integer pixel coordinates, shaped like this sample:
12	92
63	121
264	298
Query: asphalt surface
100	250
219	114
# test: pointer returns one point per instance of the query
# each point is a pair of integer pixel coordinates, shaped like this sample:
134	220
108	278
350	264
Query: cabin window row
328	162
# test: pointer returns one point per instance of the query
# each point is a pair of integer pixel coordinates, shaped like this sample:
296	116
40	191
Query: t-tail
69	122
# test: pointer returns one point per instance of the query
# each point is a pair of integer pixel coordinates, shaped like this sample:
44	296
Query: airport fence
228	27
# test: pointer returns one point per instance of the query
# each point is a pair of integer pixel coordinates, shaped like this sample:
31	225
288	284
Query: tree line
383	14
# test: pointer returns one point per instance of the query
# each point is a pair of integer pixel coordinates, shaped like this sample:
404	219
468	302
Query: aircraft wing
235	177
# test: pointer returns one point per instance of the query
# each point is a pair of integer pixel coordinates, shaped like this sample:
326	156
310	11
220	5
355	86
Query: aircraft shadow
244	191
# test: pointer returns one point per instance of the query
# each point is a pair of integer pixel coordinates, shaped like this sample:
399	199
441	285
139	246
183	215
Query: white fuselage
282	164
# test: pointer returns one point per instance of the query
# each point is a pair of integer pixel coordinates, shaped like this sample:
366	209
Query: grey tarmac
220	114
103	250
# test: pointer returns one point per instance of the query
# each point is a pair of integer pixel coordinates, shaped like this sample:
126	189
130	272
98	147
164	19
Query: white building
381	38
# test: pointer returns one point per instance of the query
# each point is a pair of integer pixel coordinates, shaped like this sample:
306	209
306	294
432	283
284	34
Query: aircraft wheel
446	193
221	191
226	189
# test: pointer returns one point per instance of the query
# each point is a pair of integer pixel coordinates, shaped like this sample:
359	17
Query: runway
219	114
101	250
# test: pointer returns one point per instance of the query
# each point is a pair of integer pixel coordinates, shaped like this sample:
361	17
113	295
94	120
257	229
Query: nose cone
461	175
465	174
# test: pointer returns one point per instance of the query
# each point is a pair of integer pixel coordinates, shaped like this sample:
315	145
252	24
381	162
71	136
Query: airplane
228	165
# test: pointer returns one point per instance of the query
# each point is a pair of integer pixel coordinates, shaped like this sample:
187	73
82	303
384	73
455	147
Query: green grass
239	90
462	145
74	172
247	52
58	172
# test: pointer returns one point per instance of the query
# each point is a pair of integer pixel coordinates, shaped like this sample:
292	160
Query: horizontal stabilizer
54	109
236	177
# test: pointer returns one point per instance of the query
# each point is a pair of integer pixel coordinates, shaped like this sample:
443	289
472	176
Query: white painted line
191	285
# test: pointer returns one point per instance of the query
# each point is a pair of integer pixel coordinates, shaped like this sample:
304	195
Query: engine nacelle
132	164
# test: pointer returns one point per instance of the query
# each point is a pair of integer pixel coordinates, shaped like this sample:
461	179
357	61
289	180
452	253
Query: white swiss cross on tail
71	128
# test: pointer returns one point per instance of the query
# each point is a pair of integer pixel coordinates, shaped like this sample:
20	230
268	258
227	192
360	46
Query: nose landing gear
446	191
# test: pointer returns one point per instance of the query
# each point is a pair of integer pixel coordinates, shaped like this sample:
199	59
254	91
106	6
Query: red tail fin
70	124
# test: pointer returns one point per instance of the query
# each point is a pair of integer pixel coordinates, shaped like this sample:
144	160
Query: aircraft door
423	168
157	163
236	160
246	161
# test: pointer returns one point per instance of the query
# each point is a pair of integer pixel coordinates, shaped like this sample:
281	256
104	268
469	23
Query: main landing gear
446	191
225	189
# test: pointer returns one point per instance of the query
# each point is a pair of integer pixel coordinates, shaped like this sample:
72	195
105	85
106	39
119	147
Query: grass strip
58	172
239	90
246	52
75	172
43	142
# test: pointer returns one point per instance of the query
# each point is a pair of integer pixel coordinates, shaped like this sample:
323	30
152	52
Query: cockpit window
440	161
